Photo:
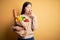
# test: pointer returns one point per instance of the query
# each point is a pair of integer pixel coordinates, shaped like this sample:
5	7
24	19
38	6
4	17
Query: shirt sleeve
35	24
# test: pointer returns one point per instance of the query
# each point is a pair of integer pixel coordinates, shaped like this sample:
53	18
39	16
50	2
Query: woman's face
28	9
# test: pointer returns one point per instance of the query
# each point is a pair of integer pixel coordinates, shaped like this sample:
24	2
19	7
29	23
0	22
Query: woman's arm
34	24
17	28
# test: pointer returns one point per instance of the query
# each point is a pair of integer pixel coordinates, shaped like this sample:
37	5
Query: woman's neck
26	14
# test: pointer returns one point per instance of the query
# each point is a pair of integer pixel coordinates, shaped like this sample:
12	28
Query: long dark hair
24	5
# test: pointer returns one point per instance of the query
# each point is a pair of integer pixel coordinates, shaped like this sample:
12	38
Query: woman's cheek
27	11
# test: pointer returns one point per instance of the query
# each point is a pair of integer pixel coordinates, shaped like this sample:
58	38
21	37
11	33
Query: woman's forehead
29	5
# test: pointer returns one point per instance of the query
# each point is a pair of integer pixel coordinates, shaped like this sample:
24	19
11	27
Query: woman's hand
32	15
17	28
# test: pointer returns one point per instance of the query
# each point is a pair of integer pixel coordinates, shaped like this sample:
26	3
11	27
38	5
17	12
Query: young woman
25	28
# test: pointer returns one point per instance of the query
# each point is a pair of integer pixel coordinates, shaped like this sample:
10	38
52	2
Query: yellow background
47	12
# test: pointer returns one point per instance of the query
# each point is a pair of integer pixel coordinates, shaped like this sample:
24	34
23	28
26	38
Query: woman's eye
27	7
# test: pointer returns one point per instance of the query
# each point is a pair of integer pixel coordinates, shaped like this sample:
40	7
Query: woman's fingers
18	28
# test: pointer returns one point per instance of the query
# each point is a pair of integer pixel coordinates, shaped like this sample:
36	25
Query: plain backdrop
48	16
